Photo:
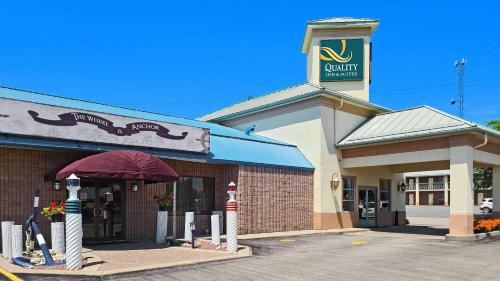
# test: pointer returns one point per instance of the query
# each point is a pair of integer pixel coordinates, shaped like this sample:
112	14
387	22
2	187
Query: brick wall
20	171
141	210
270	199
274	199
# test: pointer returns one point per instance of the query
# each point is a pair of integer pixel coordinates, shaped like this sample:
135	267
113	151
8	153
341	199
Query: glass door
89	208
367	207
102	211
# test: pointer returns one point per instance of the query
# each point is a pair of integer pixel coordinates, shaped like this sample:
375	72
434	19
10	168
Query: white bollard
17	241
161	227
232	220
73	240
7	238
74	231
189	218
221	220
57	237
215	230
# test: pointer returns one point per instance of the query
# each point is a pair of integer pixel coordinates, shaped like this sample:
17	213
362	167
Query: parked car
486	205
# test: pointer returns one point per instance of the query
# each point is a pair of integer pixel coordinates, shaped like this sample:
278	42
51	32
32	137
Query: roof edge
327	92
317	24
405	138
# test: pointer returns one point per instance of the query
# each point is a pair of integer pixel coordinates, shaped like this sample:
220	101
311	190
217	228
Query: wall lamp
135	187
402	185
56	186
334	183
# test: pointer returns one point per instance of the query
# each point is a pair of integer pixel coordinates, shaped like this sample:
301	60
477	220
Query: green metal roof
411	123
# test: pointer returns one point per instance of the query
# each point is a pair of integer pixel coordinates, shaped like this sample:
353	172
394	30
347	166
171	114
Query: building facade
361	150
315	155
41	134
433	188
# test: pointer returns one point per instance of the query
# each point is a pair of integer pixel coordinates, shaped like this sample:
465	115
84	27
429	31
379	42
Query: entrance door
102	211
367	207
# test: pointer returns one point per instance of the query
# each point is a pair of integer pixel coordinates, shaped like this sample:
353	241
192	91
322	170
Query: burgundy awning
120	165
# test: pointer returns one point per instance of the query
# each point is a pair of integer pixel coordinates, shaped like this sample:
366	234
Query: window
385	195
194	194
348	191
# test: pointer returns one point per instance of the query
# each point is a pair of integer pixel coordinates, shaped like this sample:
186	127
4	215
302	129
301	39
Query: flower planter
6	238
17	241
57	237
161	227
57	218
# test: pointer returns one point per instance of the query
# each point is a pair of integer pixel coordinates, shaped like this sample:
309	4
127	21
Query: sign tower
339	54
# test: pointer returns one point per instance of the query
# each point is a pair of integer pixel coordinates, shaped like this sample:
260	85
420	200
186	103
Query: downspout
335	121
484	143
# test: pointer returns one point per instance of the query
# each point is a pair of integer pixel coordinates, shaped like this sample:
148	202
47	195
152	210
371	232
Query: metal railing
427	186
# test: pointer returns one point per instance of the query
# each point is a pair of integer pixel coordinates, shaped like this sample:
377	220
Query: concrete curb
292	233
474	237
243	252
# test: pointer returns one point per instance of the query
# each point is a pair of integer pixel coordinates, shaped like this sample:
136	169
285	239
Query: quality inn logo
341	60
332	55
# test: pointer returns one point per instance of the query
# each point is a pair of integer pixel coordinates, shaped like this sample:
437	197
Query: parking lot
385	254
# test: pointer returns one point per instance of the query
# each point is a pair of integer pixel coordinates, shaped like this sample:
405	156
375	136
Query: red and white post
232	219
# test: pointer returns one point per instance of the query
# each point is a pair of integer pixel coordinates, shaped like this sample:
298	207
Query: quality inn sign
341	60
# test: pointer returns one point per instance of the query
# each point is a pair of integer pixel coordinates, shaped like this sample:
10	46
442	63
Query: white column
174	212
17	241
74	231
398	199
161	227
417	192
215	230
221	220
57	237
7	238
74	241
461	206
187	229
232	220
446	190
496	191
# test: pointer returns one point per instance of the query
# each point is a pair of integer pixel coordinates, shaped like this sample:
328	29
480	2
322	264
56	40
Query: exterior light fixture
56	185
135	187
192	226
334	183
402	185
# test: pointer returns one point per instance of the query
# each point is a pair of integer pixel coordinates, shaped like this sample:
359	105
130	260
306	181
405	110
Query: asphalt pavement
385	254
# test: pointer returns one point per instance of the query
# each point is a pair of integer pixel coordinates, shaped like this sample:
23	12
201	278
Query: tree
483	177
495	124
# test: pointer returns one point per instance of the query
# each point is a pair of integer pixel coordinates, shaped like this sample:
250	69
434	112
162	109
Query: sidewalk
131	257
294	233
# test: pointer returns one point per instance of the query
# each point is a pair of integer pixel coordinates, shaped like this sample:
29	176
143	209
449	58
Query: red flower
156	197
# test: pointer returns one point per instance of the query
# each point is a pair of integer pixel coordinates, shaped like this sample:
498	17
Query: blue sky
190	58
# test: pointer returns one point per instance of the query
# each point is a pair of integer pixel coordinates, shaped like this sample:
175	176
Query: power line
445	86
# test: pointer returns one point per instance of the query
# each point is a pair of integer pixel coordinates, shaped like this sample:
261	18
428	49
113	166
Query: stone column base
461	225
452	237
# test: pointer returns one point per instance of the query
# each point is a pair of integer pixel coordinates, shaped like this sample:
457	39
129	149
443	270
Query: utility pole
460	68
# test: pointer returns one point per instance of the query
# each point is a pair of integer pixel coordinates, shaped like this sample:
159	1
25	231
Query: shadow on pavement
413	229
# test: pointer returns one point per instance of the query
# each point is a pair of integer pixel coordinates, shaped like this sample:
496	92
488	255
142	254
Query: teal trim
73	207
228	145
